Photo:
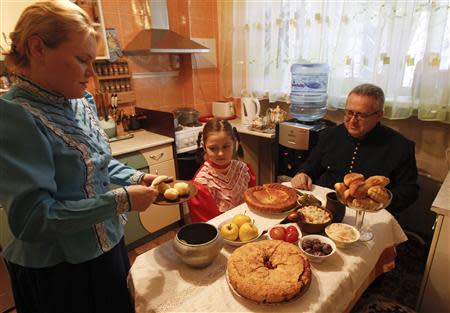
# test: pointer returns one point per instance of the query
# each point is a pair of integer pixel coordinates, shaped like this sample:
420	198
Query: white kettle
250	108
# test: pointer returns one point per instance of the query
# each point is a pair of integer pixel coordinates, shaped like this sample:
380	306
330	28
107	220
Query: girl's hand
141	197
301	181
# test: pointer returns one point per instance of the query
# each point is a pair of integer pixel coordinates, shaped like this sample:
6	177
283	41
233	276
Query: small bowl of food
313	219
316	247
289	232
342	234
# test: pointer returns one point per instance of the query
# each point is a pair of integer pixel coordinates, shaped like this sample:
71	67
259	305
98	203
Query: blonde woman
67	254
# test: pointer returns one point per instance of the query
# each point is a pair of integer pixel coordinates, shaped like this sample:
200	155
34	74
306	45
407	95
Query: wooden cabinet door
157	216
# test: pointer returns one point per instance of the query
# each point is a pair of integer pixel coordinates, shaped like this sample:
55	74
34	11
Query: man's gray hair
369	90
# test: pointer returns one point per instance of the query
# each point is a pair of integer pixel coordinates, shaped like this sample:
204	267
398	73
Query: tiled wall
164	91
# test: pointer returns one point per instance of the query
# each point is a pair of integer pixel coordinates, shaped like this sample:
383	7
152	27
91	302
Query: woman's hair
52	21
218	125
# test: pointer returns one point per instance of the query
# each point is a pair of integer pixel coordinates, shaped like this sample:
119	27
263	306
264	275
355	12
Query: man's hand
301	181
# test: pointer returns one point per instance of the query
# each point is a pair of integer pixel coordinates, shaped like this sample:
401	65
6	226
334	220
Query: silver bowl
198	244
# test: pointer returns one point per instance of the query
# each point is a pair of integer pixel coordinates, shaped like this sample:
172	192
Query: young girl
221	181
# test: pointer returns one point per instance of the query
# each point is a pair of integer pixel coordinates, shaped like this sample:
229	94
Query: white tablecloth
160	282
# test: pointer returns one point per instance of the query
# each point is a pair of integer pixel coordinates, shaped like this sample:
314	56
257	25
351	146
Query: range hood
159	39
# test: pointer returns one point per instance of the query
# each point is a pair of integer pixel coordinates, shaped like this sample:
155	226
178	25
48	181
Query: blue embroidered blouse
55	173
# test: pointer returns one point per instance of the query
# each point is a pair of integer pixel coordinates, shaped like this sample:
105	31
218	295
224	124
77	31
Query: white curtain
401	46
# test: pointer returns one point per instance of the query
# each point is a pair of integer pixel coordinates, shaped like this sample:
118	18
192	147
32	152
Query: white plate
238	243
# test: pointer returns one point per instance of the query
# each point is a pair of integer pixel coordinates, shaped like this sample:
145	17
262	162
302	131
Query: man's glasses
358	115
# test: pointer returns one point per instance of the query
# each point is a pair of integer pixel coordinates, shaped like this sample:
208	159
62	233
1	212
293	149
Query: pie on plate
271	198
268	271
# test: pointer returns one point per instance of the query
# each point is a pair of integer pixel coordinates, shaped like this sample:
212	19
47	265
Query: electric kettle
250	109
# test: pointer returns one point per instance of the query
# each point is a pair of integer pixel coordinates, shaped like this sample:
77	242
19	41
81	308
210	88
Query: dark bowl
310	227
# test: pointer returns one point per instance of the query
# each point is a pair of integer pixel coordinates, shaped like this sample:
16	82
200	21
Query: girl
221	180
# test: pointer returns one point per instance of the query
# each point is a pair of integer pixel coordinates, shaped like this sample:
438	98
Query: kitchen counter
244	129
142	139
435	287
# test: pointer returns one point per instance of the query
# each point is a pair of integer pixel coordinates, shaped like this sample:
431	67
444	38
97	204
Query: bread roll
340	189
358	189
351	178
379	194
171	194
366	204
347	197
377	180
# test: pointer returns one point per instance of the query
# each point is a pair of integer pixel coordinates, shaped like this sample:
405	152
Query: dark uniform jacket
382	152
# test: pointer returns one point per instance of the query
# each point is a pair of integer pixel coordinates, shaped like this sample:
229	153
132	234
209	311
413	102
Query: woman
68	253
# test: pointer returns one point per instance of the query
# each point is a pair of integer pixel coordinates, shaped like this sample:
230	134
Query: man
361	144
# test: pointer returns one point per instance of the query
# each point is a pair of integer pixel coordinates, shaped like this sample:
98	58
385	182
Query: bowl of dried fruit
317	248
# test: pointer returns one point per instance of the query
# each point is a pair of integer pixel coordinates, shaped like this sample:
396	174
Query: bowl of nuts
316	247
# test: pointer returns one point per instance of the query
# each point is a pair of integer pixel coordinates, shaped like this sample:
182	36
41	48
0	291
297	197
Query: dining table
160	282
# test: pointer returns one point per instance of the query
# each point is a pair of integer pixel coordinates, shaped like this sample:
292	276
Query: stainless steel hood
159	39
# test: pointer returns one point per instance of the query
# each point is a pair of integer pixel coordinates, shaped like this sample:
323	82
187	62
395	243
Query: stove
186	138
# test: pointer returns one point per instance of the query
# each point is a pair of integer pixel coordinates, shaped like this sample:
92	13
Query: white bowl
323	239
342	234
237	242
286	226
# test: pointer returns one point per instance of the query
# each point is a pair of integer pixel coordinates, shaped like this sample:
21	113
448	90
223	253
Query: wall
164	90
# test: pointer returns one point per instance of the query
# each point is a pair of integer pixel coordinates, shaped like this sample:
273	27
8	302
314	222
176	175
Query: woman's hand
301	181
141	197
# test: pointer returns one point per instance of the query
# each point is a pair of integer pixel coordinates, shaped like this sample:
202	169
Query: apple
240	219
248	231
229	231
278	233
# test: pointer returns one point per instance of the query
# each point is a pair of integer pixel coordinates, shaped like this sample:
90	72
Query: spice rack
114	78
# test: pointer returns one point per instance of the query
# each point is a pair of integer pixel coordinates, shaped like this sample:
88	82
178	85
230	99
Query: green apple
248	231
229	231
241	219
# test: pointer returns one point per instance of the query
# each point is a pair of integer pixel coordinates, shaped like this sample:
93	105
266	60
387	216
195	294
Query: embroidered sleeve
122	200
136	178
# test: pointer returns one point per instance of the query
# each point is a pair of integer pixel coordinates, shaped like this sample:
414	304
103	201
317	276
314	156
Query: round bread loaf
377	180
268	271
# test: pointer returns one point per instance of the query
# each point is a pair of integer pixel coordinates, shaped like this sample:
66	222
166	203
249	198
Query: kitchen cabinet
157	217
434	295
142	226
10	11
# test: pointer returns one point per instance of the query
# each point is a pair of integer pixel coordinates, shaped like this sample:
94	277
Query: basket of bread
360	193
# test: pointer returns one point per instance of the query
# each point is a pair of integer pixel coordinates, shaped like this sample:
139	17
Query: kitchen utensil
187	116
223	109
250	108
198	244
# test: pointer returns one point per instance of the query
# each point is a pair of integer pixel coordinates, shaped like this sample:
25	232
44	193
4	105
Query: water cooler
295	142
308	106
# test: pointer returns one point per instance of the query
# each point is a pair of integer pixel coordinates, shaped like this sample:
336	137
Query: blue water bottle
309	91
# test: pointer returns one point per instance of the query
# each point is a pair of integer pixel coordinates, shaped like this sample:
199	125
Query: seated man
361	144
